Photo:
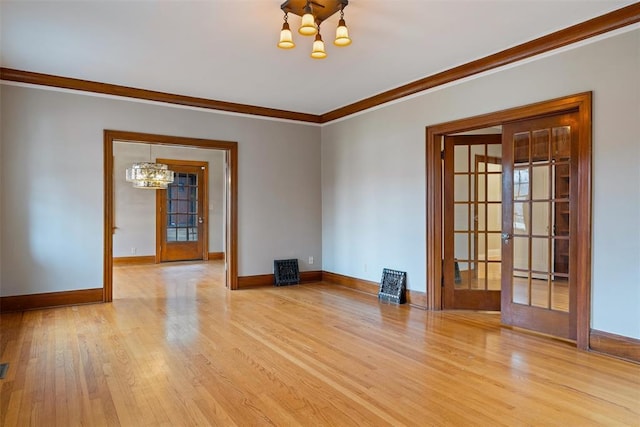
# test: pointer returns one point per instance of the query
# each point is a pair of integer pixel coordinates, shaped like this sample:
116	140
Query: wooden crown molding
593	27
602	24
30	77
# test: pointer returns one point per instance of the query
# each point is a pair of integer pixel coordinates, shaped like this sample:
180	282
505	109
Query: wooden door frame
580	103
204	201
231	150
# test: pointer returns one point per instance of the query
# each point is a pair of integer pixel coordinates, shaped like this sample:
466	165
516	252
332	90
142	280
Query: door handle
506	237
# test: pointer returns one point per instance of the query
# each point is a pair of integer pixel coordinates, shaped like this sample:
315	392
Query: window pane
482	181
494	245
540	218
461	158
494	217
540	291
193	234
461	192
461	246
520	290
481	246
540	184
494	187
540	254
521	218
560	293
481	216
182	234
541	145
461	217
521	184
521	253
562	142
521	147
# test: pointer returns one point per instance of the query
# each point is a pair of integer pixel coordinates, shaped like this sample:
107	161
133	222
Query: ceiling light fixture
150	175
313	13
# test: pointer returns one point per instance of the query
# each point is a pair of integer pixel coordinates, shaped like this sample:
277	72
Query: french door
539	230
181	215
472	222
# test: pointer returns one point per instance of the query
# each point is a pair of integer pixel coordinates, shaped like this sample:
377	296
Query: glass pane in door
541	195
477	216
182	208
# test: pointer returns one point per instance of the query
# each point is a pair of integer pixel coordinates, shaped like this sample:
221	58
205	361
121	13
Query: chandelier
313	13
149	175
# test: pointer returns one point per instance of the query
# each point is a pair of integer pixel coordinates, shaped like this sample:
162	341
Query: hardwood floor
176	348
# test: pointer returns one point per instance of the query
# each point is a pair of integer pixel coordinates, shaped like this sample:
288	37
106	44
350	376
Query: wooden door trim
231	149
434	231
205	205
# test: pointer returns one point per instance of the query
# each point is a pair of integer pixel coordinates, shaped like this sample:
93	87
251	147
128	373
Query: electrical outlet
364	267
310	260
133	251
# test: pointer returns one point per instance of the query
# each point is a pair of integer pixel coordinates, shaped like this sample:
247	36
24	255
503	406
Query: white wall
373	171
52	184
135	209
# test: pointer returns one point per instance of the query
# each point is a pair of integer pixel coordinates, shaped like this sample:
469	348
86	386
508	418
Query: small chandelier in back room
150	175
313	13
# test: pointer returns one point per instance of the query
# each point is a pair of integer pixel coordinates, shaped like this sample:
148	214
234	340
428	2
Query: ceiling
226	49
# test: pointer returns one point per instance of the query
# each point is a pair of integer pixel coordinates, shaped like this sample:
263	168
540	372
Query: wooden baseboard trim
51	299
414	298
615	345
134	260
366	286
216	255
268	279
417	299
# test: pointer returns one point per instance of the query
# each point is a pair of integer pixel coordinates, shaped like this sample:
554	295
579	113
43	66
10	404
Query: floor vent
393	286
286	272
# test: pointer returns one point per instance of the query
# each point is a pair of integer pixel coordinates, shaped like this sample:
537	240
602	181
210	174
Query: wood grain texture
150	95
268	279
50	299
615	345
133	260
176	348
611	21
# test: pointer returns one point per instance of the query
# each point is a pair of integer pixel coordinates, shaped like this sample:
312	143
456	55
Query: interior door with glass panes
181	218
472	222
539	227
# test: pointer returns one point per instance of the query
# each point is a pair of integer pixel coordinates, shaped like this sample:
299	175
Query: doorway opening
230	152
568	119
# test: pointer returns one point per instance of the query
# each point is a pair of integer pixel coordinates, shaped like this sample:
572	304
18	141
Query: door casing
580	103
231	153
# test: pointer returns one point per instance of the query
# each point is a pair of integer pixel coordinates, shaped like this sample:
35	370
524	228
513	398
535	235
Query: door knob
200	220
506	237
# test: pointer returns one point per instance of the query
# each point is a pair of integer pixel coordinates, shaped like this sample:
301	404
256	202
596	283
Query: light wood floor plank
176	348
